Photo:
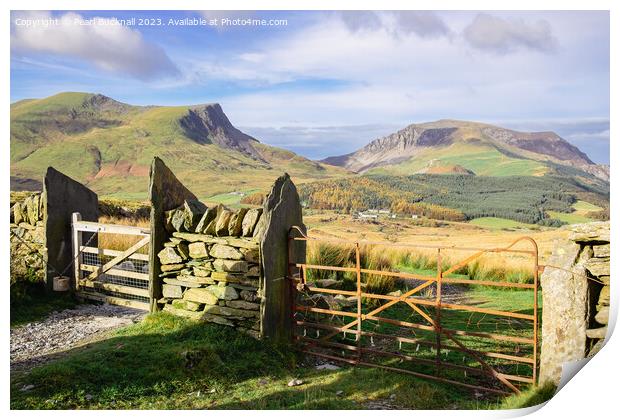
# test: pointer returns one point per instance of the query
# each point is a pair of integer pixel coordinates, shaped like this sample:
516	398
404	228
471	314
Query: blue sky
327	83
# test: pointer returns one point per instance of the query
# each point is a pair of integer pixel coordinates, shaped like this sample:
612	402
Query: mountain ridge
108	145
418	140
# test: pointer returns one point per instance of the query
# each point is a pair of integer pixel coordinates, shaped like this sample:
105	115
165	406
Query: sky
324	83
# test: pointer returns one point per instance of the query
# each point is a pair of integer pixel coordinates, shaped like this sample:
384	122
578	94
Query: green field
570	218
499	223
232	199
584	206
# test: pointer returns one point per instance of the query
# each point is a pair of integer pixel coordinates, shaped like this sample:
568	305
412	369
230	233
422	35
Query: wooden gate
116	276
424	331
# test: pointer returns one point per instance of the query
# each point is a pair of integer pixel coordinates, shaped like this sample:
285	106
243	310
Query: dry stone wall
575	299
41	224
28	251
210	265
221	265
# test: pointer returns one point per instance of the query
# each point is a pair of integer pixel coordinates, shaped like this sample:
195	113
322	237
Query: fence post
358	270
438	309
76	240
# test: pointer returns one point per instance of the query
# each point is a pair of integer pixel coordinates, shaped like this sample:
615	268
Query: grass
490	267
499	223
230	198
119	242
482	159
530	397
584	206
167	362
38	304
580	215
570	218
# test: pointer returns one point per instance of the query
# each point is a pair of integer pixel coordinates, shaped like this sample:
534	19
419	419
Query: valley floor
332	225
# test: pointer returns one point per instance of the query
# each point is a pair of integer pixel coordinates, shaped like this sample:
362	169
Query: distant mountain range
108	145
455	146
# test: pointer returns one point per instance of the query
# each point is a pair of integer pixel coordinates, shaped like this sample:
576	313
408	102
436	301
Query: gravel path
35	343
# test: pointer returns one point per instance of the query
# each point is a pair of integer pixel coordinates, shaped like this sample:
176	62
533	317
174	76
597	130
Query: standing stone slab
281	211
206	218
62	197
215	214
221	226
564	318
166	192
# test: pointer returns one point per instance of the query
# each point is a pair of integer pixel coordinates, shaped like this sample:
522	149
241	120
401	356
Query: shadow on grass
166	362
36	303
162	355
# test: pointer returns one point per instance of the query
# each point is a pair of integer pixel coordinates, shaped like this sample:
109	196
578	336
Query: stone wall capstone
575	299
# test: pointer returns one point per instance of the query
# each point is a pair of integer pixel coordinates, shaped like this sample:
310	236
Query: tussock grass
122	242
488	267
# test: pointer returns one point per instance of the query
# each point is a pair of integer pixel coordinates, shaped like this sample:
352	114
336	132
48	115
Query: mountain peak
416	144
207	123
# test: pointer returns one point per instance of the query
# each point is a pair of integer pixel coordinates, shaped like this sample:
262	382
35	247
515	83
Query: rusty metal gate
116	276
423	331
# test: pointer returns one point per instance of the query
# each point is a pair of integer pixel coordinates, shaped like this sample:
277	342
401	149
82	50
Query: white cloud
498	35
112	48
425	24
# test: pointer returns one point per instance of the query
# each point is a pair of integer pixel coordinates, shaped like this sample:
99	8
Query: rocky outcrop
208	124
575	287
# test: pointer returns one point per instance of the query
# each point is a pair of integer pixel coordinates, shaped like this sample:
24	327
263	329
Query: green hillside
481	158
109	146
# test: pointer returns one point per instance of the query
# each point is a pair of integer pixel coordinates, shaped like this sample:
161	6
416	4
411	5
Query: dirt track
34	343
